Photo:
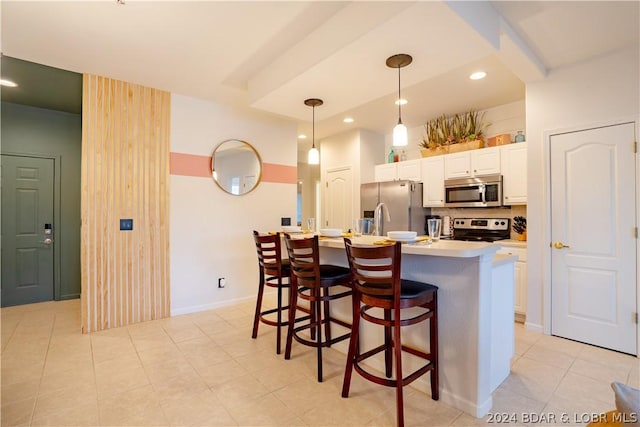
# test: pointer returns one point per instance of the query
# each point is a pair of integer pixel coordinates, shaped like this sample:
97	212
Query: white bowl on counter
402	235
331	232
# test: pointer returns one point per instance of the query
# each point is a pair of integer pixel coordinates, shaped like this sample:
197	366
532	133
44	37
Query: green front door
27	214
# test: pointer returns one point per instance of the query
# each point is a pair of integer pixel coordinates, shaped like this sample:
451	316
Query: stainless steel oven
481	229
477	192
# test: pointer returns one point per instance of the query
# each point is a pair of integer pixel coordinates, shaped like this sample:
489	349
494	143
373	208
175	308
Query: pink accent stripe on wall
272	172
200	166
190	165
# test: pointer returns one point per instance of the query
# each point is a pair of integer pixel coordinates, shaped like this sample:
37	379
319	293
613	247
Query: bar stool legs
312	282
273	272
378	286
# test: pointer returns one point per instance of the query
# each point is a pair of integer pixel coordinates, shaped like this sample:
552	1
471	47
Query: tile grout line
46	356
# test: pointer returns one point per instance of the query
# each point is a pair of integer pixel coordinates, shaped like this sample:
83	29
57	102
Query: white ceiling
271	55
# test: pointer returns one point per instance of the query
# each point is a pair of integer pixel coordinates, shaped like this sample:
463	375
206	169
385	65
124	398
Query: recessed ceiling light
401	101
302	136
348	120
8	83
478	75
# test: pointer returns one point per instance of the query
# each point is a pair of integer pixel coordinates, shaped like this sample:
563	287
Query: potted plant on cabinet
460	132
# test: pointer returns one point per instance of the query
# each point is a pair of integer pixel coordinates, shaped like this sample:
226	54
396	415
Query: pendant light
398	61
314	154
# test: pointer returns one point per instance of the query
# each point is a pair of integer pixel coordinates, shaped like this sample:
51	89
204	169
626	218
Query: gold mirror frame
236	167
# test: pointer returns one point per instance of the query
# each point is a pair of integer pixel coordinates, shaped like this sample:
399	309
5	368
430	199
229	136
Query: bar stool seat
377	286
312	282
274	273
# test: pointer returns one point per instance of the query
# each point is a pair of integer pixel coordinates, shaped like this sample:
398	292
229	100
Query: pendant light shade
400	137
314	156
314	153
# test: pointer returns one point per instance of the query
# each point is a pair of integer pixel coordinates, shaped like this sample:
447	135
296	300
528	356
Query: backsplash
505	212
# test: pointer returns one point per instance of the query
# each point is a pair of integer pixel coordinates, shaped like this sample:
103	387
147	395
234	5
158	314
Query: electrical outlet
284	221
221	282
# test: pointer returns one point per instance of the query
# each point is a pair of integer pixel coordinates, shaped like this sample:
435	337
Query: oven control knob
502	223
497	223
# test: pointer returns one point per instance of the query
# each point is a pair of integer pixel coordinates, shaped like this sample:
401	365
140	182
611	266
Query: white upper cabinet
407	170
514	173
410	170
386	172
432	181
484	161
457	165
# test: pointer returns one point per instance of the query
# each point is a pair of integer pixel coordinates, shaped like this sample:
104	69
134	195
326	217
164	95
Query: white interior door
339	200
593	254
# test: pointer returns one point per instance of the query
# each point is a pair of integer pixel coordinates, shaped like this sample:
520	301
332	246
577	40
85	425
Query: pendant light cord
313	127
399	99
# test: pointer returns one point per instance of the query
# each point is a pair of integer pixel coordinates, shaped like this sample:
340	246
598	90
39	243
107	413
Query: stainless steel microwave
477	192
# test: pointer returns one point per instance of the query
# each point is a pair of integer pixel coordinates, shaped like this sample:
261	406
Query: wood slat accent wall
125	174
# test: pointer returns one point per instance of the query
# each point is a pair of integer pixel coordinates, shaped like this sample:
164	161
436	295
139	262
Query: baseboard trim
533	327
203	307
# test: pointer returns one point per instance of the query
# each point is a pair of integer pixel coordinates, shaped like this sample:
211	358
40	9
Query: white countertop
512	243
445	248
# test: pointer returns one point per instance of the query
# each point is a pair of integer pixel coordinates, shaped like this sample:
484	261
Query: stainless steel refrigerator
403	199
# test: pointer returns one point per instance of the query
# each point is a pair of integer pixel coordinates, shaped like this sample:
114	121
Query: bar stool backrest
375	270
269	251
305	260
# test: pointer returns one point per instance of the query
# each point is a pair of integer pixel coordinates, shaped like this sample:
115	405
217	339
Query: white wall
308	175
371	153
358	149
336	152
211	231
595	92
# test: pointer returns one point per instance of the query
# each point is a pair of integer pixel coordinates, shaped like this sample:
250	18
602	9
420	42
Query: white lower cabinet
520	279
432	181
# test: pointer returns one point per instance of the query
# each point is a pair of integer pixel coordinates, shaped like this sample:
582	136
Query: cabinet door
520	279
520	290
432	181
485	161
514	174
386	172
410	170
457	165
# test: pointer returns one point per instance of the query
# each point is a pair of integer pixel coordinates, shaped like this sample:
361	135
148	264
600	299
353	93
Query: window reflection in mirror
236	167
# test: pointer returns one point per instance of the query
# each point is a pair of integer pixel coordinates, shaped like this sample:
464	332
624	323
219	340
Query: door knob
560	245
47	241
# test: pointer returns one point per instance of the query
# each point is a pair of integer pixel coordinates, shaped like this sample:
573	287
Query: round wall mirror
236	167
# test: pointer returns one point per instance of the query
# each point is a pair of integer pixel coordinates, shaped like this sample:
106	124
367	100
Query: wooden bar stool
274	273
311	281
377	285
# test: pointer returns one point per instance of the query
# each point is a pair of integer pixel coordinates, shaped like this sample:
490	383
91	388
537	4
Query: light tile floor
203	369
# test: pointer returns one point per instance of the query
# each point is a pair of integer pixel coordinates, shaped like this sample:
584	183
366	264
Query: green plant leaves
461	127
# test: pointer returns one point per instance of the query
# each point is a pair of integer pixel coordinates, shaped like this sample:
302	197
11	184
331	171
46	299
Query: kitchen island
475	315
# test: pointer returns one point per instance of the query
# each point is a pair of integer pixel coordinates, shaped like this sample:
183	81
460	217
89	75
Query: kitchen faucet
377	218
